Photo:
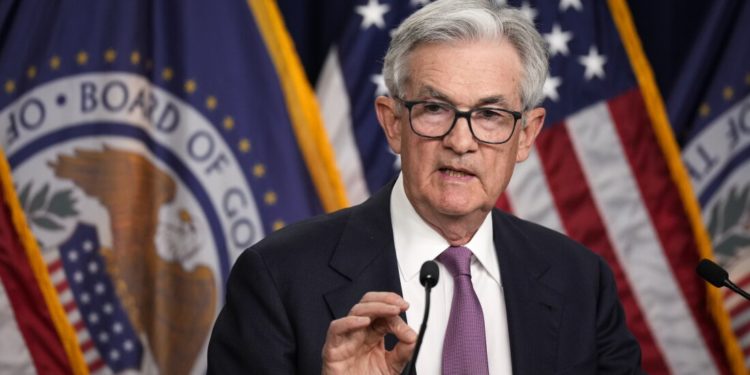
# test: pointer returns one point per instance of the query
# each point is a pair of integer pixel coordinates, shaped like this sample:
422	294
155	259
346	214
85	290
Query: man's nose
460	139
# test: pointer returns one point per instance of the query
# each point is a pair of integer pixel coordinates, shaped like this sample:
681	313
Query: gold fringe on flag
302	106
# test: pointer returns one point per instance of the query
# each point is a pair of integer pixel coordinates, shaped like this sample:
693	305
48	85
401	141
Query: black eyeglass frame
409	104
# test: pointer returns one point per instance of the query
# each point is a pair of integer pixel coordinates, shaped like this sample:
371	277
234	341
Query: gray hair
469	20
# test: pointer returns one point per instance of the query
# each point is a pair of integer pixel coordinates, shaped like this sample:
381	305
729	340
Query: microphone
428	277
714	274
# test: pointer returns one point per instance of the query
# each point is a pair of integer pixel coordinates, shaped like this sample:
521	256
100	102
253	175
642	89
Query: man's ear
388	114
534	123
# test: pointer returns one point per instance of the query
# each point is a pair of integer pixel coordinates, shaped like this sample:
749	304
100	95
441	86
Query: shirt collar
417	242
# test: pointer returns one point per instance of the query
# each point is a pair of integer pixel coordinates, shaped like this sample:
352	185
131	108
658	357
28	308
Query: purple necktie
465	346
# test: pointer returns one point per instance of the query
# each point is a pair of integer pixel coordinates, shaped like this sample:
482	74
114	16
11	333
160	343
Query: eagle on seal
172	306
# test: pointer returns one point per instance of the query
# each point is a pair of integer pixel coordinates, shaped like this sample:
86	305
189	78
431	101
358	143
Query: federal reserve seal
140	207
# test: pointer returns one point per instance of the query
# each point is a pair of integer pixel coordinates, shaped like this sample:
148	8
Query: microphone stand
428	277
413	363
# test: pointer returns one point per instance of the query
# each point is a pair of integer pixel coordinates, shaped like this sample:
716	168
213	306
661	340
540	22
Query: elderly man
335	293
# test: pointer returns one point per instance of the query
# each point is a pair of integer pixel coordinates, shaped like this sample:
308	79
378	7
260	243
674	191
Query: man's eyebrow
429	91
497	99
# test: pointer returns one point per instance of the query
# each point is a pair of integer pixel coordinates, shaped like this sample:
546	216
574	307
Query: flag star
93	267
419	3
93	318
550	88
99	288
565	4
594	64
128	345
117	327
73	256
528	11
373	14
558	40
78	276
88	246
379	81
85	298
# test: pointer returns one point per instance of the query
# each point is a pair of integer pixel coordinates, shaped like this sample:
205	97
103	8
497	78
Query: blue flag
710	109
151	142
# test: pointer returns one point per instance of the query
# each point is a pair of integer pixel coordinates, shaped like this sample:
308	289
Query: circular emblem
139	204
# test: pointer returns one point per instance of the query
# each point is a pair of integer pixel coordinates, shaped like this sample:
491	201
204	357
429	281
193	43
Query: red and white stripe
529	193
334	107
15	355
738	307
95	363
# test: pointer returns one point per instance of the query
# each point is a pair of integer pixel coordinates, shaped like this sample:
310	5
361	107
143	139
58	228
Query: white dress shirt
416	242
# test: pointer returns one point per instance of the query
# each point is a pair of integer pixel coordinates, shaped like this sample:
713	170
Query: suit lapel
533	307
365	256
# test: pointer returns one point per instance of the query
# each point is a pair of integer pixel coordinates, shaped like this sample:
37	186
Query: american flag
106	337
602	172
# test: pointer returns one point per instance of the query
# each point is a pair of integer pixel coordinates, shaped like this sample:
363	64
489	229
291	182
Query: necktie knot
457	259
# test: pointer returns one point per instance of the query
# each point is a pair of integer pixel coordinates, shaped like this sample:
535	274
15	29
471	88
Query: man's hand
355	343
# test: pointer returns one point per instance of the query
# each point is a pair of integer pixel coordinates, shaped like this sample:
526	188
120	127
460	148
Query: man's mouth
455	172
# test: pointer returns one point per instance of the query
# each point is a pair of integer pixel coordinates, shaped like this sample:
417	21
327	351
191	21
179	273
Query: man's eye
433	108
488	114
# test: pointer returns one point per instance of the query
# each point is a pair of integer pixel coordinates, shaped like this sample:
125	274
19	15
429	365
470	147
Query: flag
710	110
150	143
37	337
605	170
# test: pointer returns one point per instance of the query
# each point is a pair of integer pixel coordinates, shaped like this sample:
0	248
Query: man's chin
458	209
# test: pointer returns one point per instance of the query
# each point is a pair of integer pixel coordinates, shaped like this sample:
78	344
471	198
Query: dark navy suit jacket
564	316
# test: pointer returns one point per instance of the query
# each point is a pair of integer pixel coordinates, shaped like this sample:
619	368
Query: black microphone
714	274
428	277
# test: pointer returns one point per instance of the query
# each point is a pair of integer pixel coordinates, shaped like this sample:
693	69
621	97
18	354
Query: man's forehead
465	72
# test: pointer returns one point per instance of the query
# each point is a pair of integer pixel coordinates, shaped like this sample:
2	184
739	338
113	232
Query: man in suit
334	294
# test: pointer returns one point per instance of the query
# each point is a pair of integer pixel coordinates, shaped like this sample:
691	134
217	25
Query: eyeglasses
435	120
